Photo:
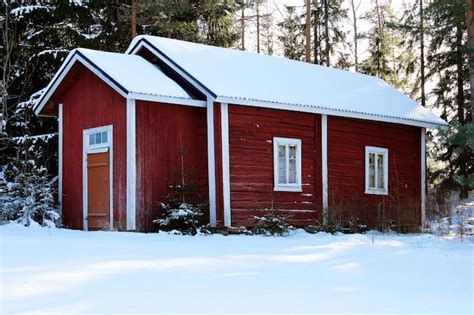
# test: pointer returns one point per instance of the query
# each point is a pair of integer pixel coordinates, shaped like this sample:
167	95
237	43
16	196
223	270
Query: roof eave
333	112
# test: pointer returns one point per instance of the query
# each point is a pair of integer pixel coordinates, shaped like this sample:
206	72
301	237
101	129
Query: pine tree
292	38
449	63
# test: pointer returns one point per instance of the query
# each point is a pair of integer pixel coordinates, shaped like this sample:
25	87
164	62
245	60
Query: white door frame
96	148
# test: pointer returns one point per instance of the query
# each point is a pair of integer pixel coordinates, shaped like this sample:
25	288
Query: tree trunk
379	40
460	99
258	25
354	25
422	56
242	27
308	30
459	77
470	45
315	31
134	19
6	68
326	29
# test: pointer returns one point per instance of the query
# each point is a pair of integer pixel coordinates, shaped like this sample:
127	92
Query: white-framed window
287	164
376	170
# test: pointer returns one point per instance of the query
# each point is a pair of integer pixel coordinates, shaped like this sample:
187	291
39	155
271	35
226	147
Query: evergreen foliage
207	22
272	223
179	215
292	38
449	66
329	34
389	56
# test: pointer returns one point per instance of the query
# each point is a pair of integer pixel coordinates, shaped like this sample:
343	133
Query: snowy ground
61	271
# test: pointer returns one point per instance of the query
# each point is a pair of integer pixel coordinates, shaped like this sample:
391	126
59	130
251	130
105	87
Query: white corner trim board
86	148
423	177
131	165
225	163
211	165
324	166
60	158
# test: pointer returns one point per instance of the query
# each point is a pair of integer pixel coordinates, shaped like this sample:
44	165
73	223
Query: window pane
292	152
380	170
281	151
292	164
282	164
371	170
97	138
91	139
104	137
292	171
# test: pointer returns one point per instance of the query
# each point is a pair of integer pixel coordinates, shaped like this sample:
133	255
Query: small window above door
98	138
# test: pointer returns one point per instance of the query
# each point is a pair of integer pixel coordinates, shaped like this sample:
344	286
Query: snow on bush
27	195
273	224
183	217
26	188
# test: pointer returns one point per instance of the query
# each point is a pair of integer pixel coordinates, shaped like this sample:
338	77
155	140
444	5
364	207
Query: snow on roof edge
442	124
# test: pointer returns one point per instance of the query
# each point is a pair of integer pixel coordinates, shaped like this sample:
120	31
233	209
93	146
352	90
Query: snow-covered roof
134	73
130	75
238	77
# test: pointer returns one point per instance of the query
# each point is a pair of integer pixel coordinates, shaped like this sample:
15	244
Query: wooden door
98	191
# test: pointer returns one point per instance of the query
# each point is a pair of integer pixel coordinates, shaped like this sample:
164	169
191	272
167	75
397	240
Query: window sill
381	192
288	188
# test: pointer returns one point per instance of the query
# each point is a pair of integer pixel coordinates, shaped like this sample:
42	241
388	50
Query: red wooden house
258	132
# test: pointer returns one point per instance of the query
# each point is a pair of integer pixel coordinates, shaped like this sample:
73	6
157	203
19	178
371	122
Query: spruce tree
411	27
449	63
389	57
209	22
292	38
329	37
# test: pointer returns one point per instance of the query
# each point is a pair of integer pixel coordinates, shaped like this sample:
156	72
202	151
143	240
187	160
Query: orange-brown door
98	191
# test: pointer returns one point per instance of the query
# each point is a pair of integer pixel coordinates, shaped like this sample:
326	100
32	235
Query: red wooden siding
88	103
251	132
347	139
160	130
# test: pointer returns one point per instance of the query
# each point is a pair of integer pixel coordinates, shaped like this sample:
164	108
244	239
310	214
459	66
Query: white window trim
287	187
384	152
97	148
